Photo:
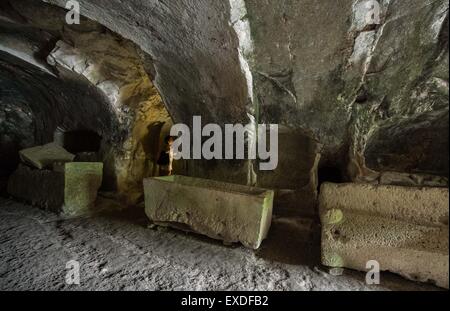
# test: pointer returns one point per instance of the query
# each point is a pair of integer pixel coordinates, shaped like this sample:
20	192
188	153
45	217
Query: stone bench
404	229
228	212
70	189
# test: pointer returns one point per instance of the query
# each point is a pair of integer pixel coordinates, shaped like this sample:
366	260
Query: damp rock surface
119	252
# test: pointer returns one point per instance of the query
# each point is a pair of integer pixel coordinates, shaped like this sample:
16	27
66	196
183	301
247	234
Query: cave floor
120	251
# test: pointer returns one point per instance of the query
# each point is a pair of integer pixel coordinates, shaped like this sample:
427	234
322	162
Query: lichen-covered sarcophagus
404	229
228	212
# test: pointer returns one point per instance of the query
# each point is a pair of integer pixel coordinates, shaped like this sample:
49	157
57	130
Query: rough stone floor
118	251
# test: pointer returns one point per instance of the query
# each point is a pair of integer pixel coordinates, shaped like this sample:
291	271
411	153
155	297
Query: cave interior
363	151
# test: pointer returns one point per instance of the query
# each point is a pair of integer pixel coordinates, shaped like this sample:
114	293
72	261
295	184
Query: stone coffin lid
45	156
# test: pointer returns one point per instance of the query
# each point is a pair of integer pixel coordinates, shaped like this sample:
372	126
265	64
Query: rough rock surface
118	252
358	86
228	212
404	229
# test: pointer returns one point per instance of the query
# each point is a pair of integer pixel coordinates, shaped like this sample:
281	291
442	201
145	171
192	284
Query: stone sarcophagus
228	212
70	188
404	229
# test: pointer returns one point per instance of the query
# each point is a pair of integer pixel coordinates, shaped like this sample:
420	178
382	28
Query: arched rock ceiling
193	48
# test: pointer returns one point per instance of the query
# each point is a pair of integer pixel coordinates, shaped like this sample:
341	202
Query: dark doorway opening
330	174
9	160
80	141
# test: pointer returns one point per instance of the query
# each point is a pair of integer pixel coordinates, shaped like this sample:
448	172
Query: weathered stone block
228	212
405	229
71	190
82	181
44	156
